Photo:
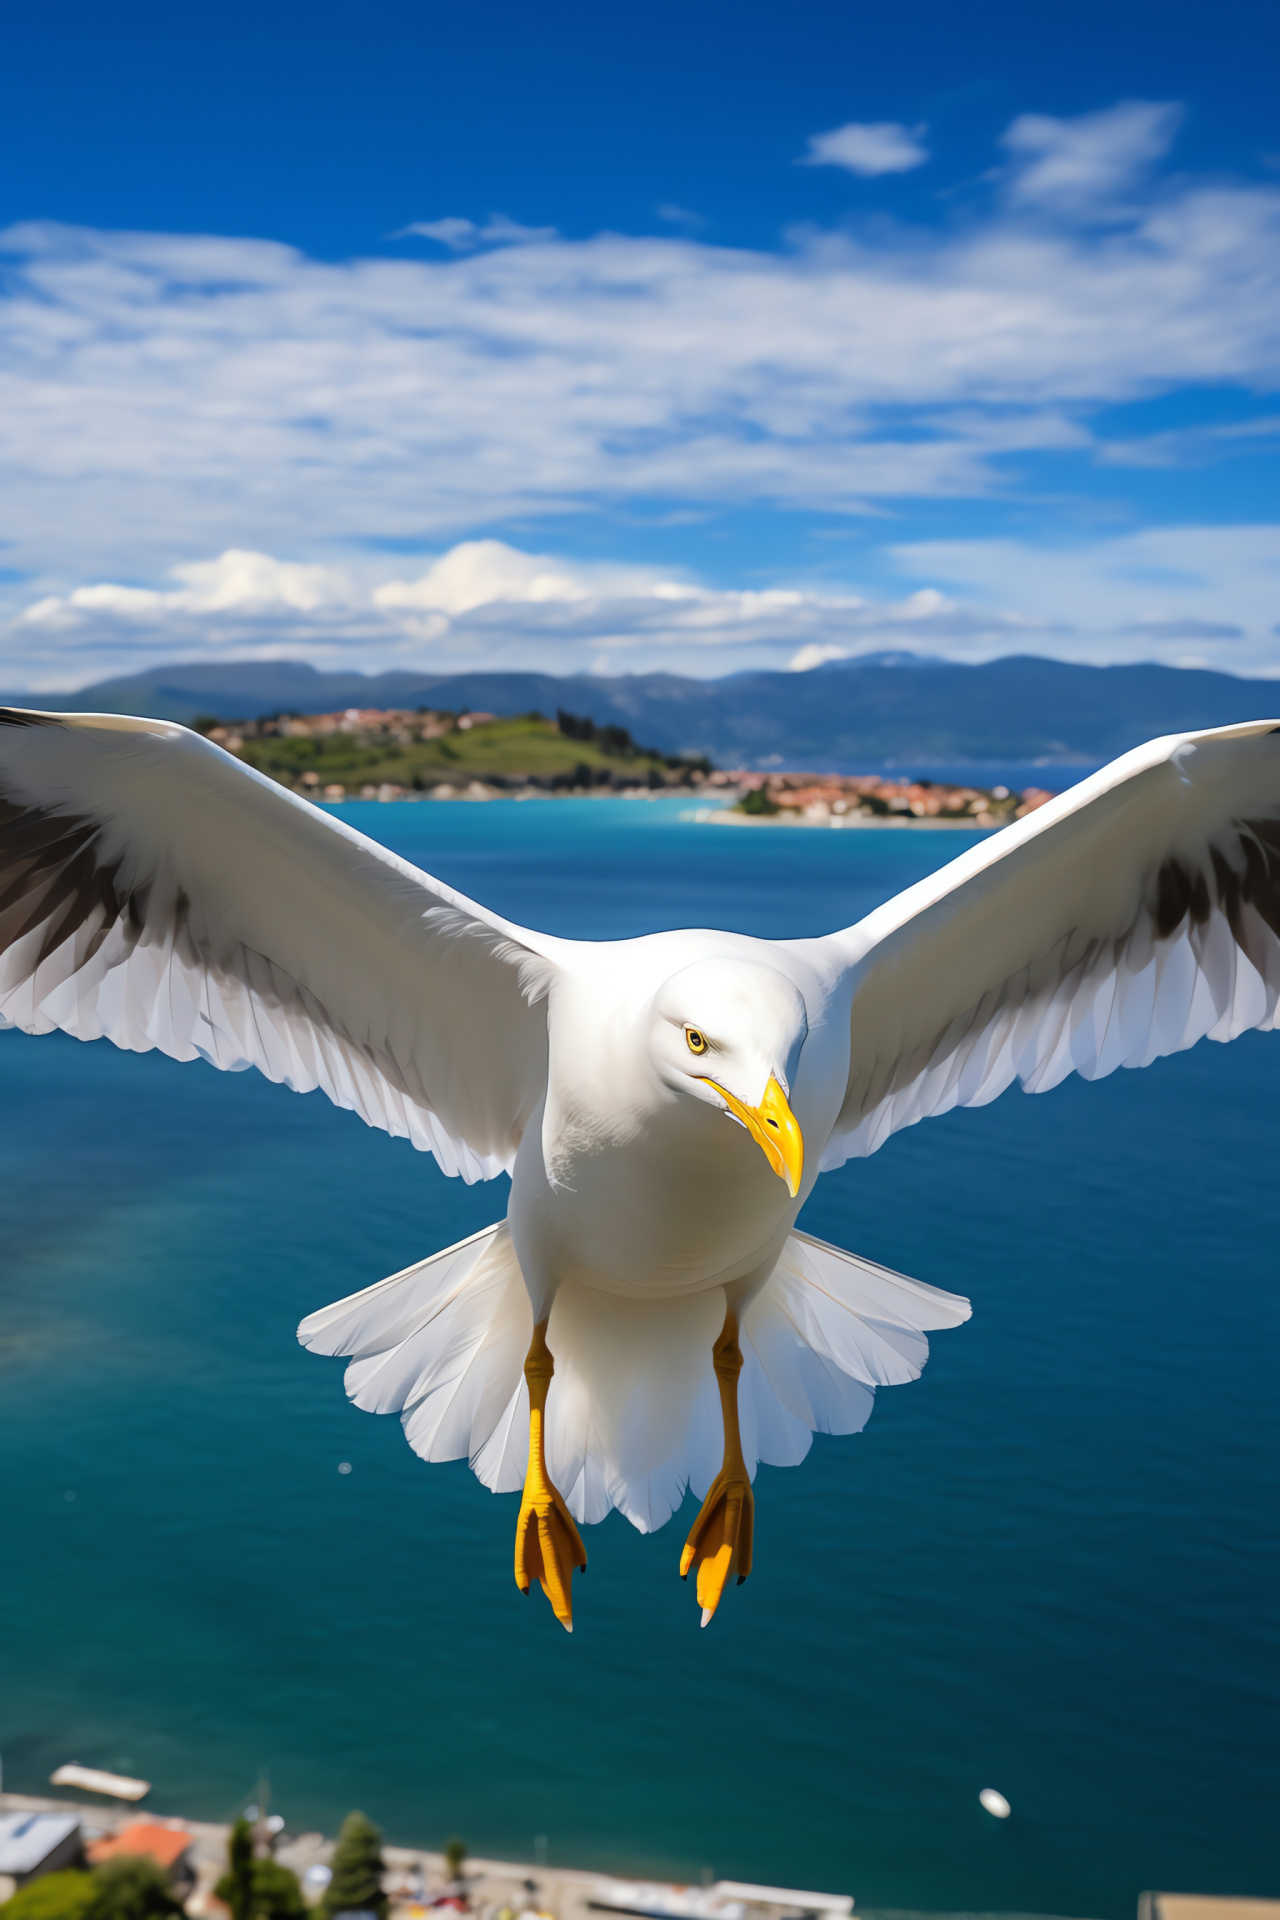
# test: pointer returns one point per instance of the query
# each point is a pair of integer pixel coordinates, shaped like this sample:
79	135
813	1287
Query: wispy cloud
464	236
1088	164
1186	595
681	217
868	147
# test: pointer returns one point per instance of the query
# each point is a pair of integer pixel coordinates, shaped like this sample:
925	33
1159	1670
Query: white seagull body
664	1105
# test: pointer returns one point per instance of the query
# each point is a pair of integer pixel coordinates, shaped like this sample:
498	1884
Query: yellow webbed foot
548	1545
719	1542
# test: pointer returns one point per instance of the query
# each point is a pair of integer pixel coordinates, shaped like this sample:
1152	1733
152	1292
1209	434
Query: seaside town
391	754
67	1860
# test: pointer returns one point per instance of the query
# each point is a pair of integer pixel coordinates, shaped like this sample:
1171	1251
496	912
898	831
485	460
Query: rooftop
26	1839
166	1845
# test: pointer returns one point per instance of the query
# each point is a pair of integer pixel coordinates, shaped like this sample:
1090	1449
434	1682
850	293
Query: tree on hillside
54	1896
277	1892
358	1867
235	1889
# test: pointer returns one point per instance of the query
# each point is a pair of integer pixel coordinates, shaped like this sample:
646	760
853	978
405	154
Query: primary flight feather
647	1317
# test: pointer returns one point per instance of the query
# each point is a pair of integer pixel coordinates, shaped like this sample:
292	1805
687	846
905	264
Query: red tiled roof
165	1845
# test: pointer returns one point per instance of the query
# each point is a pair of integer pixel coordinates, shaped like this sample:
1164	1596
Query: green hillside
424	751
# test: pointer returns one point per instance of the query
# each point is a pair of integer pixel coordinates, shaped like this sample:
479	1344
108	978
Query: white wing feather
1129	918
155	891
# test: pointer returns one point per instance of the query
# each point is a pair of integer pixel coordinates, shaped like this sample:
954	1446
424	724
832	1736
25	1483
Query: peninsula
397	753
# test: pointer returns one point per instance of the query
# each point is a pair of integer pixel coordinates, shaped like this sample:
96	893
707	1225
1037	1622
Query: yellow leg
719	1541
548	1545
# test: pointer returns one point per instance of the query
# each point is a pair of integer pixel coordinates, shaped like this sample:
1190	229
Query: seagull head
729	1033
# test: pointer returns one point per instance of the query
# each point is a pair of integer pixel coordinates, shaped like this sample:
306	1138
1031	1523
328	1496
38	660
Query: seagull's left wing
1129	918
155	891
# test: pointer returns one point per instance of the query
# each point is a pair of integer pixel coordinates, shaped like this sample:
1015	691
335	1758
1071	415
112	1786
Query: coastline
792	817
723	814
417	1881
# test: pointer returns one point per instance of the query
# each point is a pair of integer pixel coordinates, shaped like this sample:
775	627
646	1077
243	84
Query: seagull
648	1317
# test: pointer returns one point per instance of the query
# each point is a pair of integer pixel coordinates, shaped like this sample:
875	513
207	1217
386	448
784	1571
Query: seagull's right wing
156	892
1129	918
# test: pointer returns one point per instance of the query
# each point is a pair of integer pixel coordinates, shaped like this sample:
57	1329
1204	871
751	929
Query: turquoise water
1051	1566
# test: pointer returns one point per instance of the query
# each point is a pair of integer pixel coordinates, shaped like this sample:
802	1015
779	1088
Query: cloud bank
483	602
208	442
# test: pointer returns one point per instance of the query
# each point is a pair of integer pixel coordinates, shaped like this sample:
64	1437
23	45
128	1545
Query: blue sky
689	337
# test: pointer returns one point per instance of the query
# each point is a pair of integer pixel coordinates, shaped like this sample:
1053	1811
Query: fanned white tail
633	1417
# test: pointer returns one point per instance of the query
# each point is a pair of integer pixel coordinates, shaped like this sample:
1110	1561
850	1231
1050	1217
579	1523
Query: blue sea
1051	1566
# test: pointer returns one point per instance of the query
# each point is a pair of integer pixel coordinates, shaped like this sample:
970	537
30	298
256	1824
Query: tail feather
443	1345
826	1330
633	1418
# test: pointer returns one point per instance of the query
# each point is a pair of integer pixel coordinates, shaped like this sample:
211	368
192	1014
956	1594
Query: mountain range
876	710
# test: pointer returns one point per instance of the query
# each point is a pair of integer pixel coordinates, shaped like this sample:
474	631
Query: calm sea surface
1052	1566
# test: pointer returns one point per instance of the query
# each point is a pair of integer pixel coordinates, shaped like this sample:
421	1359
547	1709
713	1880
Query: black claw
741	1578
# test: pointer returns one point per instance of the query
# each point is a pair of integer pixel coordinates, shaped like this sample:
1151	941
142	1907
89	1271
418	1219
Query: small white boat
93	1780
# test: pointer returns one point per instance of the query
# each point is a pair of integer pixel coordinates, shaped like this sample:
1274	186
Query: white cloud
237	581
480	573
868	147
1086	164
815	655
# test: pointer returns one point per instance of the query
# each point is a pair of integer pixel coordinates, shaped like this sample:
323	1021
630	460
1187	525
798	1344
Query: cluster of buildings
37	1839
833	796
397	726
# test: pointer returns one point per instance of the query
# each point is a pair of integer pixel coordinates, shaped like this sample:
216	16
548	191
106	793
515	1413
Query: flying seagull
647	1317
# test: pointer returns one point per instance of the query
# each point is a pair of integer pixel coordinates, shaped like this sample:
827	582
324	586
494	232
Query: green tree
235	1889
132	1887
356	1886
758	802
455	1853
55	1896
257	1889
277	1893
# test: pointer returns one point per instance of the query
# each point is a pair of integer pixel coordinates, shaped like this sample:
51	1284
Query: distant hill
845	714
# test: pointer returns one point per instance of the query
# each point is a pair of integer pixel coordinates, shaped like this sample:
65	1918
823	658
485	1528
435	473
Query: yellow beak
774	1128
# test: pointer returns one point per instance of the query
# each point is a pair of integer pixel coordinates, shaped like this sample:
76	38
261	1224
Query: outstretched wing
155	891
1129	918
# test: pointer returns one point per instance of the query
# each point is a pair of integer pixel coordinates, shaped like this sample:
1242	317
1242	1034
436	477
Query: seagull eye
697	1042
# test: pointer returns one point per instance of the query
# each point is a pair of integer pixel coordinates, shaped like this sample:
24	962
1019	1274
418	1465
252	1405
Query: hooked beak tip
774	1128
